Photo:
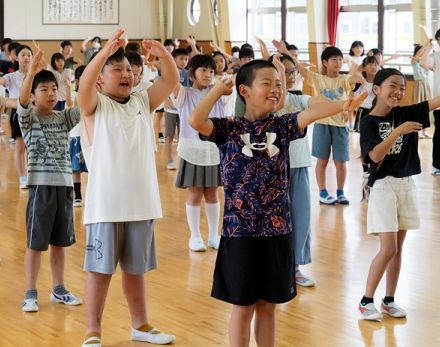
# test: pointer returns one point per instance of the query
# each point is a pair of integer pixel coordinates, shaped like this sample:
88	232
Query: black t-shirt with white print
403	158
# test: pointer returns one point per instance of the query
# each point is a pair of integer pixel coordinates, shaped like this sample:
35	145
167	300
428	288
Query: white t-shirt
122	181
13	83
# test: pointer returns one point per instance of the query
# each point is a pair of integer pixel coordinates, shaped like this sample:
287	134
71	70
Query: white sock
193	218
213	216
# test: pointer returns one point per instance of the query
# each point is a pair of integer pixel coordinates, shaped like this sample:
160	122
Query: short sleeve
7	79
24	117
368	138
72	116
291	126
417	112
180	98
220	131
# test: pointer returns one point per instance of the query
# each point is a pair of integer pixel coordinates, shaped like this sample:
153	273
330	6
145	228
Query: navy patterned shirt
254	161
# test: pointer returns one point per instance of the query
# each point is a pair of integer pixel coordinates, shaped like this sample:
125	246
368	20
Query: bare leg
341	173
134	291
32	261
57	265
265	324
388	249
194	196
96	292
320	172
20	156
240	325
210	194
393	268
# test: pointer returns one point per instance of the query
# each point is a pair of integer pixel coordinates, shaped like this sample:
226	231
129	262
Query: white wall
23	21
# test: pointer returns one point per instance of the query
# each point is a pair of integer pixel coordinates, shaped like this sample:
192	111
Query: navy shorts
330	138
249	269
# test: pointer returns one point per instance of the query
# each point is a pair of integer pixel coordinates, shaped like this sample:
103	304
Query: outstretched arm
281	47
321	110
84	44
217	48
87	94
192	42
264	51
169	75
199	116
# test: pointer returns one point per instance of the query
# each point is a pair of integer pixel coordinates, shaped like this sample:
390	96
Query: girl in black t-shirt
389	143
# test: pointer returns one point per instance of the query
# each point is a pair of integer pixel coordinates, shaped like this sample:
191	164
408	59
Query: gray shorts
171	123
129	243
49	217
328	138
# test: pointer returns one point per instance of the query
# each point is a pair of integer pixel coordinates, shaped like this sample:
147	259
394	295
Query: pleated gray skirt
190	175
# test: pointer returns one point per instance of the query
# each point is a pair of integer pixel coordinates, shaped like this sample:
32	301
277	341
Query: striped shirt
47	138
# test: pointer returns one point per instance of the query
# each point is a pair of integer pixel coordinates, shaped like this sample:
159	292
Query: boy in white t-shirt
122	198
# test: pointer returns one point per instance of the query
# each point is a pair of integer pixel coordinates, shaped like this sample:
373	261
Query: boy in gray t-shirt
49	213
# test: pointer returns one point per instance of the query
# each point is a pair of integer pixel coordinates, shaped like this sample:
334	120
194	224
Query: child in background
370	67
64	78
181	57
421	89
137	68
331	134
76	154
117	138
355	57
49	214
199	169
254	268
221	67
90	51
13	82
389	143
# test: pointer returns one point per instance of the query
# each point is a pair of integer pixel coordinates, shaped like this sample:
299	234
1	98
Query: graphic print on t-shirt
332	94
272	150
385	130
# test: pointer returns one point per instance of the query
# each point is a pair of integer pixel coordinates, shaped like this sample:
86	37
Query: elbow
193	123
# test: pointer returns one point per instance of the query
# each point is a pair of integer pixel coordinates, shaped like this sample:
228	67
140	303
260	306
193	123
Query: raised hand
224	86
408	127
280	46
155	48
38	63
278	64
190	40
114	43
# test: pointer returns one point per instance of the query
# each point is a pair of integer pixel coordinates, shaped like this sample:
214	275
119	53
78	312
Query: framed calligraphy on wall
81	12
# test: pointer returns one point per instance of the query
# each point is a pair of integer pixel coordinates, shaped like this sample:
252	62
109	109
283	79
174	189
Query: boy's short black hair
42	77
375	51
179	51
97	38
246	73
65	43
116	57
133	47
135	59
6	41
292	48
55	57
79	71
13	46
246	45
198	61
169	42
246	53
369	60
437	34
283	58
330	52
235	49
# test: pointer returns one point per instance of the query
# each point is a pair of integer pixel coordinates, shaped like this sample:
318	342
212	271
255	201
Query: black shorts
49	217
248	269
15	126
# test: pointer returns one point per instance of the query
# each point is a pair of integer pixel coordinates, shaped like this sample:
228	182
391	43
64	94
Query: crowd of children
240	123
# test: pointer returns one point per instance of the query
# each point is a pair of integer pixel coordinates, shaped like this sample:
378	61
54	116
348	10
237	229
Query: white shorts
392	205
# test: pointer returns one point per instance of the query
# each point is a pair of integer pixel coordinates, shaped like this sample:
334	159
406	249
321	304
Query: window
194	11
359	20
215	11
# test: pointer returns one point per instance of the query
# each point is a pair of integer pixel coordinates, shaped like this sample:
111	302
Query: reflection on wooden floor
178	292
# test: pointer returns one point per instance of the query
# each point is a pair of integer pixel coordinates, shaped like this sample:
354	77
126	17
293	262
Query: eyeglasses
289	72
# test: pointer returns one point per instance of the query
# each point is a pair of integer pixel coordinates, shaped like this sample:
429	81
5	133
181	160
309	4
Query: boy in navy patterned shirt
255	263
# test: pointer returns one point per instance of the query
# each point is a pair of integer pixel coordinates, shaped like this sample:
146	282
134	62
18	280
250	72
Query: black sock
160	135
77	189
388	299
365	301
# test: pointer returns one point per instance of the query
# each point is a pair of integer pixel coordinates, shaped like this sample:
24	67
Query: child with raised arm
122	198
389	143
49	214
255	263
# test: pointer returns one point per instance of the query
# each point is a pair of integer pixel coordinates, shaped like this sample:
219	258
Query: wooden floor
178	292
